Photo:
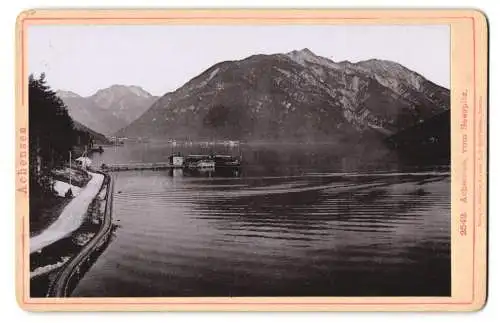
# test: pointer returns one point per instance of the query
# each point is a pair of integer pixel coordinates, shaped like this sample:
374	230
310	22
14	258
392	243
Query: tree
51	134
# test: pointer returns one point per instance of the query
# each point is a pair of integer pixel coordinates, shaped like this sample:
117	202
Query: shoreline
67	279
63	252
71	217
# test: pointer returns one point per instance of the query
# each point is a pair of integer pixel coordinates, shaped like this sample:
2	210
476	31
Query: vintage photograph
239	160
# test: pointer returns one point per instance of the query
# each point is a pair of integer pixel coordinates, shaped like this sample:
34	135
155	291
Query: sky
161	58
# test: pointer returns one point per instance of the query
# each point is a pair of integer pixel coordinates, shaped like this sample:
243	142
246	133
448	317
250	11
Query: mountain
425	141
109	109
126	103
297	96
98	138
85	111
67	94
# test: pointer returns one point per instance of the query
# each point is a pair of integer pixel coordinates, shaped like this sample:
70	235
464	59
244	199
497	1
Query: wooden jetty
176	161
139	166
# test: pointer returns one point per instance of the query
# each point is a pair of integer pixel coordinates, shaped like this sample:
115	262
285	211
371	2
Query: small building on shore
83	162
176	160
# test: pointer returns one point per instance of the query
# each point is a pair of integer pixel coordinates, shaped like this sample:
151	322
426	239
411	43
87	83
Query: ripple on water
315	235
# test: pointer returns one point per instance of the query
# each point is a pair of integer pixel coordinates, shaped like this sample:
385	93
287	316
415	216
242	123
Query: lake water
293	221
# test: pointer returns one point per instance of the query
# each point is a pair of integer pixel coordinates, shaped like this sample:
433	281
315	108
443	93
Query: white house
83	162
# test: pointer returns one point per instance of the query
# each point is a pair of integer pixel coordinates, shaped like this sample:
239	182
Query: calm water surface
294	221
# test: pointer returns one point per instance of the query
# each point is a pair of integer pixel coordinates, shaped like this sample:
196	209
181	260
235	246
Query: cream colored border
469	123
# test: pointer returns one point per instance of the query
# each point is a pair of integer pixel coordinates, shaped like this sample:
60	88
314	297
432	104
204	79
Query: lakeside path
77	266
71	217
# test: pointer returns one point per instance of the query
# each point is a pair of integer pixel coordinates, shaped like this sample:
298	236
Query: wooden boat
205	164
226	161
199	161
209	161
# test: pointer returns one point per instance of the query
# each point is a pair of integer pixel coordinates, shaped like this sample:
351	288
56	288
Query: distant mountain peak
121	89
304	51
108	109
67	94
305	56
139	91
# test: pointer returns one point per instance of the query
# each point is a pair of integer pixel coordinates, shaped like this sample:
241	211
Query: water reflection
270	160
287	225
205	172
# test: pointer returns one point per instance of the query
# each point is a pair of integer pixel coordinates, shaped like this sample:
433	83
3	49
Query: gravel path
71	217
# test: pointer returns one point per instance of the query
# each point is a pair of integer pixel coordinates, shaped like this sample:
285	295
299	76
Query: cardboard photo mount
469	98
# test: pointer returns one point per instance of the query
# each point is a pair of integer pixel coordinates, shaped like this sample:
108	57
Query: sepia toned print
268	160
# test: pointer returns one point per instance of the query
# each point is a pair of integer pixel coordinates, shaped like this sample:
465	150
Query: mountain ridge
108	109
296	95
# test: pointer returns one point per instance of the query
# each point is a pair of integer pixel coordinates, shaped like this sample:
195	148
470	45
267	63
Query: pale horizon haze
160	59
